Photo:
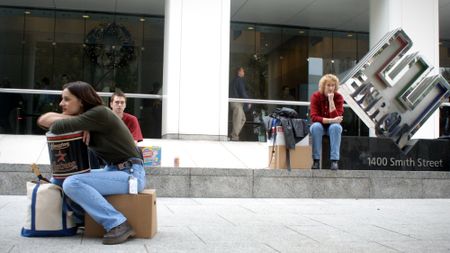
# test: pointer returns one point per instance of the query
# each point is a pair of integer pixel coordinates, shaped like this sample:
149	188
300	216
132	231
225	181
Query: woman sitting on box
327	108
109	137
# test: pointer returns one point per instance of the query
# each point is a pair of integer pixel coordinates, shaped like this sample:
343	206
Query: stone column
196	64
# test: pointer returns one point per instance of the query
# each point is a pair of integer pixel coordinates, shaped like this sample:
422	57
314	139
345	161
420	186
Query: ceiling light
27	12
250	28
142	19
85	16
349	35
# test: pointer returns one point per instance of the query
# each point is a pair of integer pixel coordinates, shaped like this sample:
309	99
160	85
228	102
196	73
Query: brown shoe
119	234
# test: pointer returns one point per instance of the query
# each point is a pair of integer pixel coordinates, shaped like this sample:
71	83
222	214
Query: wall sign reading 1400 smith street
394	92
407	162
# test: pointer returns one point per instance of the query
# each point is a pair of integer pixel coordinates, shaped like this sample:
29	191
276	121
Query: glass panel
11	26
363	45
69	51
23	110
39	50
243	53
99	60
444	63
265	67
45	49
344	52
294	59
253	129
152	56
320	54
287	63
130	37
9	104
149	114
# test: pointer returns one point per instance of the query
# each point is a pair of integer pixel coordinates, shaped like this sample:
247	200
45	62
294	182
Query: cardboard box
300	157
152	156
140	210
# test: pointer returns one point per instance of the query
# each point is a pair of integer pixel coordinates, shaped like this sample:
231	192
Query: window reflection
20	112
45	49
286	64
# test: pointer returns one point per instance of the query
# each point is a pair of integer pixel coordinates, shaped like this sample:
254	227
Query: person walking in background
238	90
118	104
327	108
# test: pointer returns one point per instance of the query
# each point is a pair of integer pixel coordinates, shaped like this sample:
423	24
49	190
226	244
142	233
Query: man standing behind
237	90
118	104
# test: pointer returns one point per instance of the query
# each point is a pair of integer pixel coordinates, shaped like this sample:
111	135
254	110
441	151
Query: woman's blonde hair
328	78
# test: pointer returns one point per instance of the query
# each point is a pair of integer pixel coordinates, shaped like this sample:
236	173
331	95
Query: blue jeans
334	131
88	190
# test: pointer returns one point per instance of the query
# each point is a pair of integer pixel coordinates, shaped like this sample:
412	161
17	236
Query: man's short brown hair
118	93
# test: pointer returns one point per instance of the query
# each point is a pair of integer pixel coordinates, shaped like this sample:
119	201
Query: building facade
175	58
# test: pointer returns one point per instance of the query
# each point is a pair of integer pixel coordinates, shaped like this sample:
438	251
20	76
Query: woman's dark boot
119	234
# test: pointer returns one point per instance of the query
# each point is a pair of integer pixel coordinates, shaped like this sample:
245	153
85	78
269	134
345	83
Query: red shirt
133	124
319	107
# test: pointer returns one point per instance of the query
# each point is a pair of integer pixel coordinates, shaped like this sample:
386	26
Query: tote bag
47	212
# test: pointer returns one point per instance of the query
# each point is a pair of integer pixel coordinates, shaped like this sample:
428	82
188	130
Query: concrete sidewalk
27	149
262	225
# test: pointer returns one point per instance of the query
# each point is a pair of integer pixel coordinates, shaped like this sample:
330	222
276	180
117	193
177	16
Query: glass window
243	53
444	63
44	49
39	44
345	48
69	51
286	64
11	28
362	46
320	50
152	55
99	49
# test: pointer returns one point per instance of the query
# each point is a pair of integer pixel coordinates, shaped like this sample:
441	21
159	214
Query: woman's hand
338	119
330	97
46	120
86	137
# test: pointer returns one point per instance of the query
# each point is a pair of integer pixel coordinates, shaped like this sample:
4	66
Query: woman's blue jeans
334	131
88	190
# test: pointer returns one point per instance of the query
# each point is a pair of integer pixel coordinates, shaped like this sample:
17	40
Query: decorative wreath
109	46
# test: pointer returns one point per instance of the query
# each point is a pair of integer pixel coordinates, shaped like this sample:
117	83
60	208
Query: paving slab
261	225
